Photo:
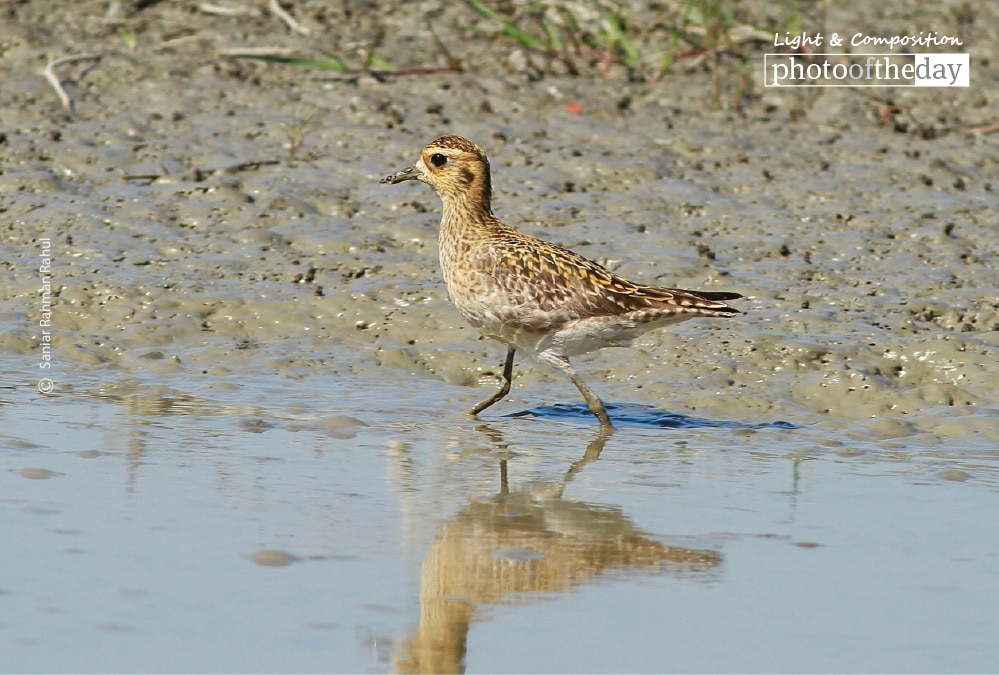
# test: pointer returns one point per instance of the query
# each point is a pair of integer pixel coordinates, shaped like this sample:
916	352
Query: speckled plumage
531	294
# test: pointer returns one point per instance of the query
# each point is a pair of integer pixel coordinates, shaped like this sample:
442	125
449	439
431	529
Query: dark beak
409	173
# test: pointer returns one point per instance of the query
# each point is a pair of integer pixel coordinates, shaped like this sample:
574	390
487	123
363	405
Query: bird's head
455	167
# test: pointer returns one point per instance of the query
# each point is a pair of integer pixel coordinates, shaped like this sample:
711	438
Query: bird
531	294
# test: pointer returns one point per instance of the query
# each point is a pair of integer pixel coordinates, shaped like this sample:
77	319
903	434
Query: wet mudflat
252	455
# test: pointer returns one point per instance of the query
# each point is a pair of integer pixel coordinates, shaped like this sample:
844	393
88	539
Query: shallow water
160	534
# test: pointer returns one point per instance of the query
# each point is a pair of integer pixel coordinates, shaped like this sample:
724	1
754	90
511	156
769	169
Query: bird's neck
465	236
465	217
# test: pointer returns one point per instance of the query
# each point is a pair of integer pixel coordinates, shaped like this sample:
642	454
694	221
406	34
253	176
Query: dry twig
981	131
275	6
53	79
221	10
255	52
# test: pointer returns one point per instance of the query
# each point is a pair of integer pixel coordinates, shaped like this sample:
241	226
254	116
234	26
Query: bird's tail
717	296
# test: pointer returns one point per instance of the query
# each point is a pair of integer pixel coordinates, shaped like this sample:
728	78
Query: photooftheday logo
866	70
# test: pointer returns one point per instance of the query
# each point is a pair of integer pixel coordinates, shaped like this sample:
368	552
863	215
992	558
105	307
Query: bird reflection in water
525	545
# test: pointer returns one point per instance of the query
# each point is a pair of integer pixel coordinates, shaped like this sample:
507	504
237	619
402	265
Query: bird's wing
543	277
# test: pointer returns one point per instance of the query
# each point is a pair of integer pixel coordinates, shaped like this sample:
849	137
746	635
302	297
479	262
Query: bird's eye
438	160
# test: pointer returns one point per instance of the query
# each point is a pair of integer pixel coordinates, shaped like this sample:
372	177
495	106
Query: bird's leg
504	387
594	403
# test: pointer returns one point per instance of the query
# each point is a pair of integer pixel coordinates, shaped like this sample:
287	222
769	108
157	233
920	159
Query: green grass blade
509	29
334	62
618	38
370	58
551	33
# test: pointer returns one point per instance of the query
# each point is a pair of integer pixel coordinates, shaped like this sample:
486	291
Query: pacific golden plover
531	294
